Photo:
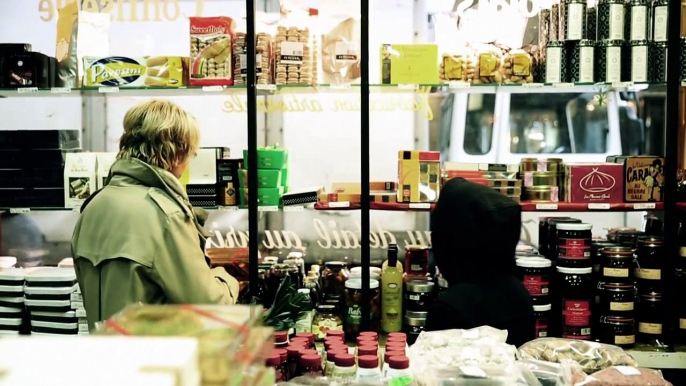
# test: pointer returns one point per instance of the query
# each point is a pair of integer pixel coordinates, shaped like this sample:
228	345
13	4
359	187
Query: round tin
660	18
555	62
608	56
658	61
592	23
638	61
573	19
581	62
637	20
541	194
541	165
554	23
611	20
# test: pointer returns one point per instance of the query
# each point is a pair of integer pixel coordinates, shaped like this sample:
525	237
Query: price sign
60	90
546	206
644	206
228	208
212	88
408	86
341	204
266	87
19	210
26	90
599	206
297	208
106	90
270	208
420	205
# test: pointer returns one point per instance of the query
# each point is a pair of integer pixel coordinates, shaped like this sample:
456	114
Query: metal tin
543	27
541	194
554	23
573	20
592	23
555	62
542	179
660	20
637	20
682	59
658	61
541	165
419	294
581	62
611	20
637	63
608	56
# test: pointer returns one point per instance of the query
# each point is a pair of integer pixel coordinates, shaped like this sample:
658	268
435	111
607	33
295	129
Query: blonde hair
159	133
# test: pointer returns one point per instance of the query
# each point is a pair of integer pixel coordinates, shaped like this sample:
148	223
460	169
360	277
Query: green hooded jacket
139	240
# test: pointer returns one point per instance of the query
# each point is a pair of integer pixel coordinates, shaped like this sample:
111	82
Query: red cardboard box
594	183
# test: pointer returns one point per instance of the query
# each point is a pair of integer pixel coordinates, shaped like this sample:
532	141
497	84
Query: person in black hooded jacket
474	232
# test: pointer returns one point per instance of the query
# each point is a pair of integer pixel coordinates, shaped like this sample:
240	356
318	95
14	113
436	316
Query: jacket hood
474	232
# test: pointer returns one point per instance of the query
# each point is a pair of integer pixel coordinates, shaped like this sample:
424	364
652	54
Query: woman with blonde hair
138	239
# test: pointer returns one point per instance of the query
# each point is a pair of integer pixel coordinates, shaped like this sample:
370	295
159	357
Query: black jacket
474	233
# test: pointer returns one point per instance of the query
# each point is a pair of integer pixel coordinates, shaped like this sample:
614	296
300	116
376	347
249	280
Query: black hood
474	232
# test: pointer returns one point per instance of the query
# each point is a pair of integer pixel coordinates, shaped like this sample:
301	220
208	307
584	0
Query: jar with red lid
274	361
617	299
534	272
293	353
399	336
650	257
574	245
280	339
367	350
416	260
618	265
311	365
541	317
575	286
618	330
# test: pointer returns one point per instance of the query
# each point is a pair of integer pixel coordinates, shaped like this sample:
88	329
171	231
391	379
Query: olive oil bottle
392	293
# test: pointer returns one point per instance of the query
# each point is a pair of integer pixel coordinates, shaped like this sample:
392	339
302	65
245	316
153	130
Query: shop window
478	134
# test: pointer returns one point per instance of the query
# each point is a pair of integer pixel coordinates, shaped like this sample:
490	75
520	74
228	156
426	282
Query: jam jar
326	319
352	323
534	272
650	257
618	265
574	245
629	238
418	295
552	234
543	234
334	277
414	325
651	318
541	317
617	299
597	258
575	287
416	260
618	330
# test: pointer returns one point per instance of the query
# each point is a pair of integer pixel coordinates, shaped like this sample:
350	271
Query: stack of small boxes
419	176
202	182
501	177
11	300
53	299
272	176
351	192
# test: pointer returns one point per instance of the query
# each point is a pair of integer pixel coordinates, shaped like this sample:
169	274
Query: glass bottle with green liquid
392	292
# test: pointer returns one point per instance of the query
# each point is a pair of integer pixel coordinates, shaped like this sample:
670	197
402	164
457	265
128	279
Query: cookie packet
294	51
264	51
211	46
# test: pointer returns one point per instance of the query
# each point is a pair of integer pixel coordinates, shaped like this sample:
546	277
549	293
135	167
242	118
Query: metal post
252	145
364	172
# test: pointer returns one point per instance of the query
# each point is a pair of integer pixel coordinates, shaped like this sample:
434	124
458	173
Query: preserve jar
274	361
542	317
651	318
543	225
596	258
618	330
617	299
325	320
574	245
576	297
534	272
612	233
414	325
334	277
552	234
618	265
416	260
629	238
418	295
352	323
650	257
681	306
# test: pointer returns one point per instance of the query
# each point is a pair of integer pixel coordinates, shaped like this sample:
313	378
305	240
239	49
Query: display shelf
526	207
291	208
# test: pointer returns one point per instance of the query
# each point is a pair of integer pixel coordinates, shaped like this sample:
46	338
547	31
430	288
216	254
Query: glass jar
274	361
576	297
652	225
596	258
418	294
353	307
612	233
629	238
618	330
334	277
649	261
651	318
574	245
681	310
534	272
543	226
552	234
542	317
618	265
617	299
414	325
417	260
326	319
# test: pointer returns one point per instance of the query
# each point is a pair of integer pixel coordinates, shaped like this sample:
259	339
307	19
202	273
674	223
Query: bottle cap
333	343
362	338
395	343
335	333
373	334
283	353
344	360
311	361
401	336
368	361
331	354
399	363
392	353
280	336
303	340
367	350
294	351
338	346
308	352
274	359
308	335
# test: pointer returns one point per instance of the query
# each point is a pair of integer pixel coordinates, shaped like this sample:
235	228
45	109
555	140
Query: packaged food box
644	177
211	45
477	167
12	301
105	161
10	326
356	187
265	196
55	317
122	71
302	196
591	183
79	178
340	197
419	175
269	157
10	313
409	64
11	284
383	197
52	328
266	178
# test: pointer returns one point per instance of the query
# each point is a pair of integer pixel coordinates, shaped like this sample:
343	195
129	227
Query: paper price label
420	205
26	90
228	208
297	208
107	90
622	84
212	88
627	370
266	87
60	90
457	85
408	86
546	206
19	210
563	85
599	206
340	86
532	85
473	371
644	206
341	204
268	208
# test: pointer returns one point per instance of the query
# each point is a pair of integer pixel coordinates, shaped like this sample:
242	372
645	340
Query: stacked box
379	191
228	170
419	175
104	163
543	179
500	177
11	301
272	176
53	297
203	185
644	177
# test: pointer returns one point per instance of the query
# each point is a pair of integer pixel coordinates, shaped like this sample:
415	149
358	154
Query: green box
284	177
268	158
266	178
265	196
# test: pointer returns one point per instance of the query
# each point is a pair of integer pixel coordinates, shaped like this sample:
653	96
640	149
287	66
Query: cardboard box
266	178
269	158
265	196
594	183
644	178
79	178
356	187
419	176
124	72
105	161
202	170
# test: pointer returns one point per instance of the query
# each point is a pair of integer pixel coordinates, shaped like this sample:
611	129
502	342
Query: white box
79	178
203	168
76	305
83	327
74	297
80	313
105	161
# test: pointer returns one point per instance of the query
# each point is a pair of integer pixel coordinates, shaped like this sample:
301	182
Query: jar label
537	285
575	18
586	65
616	272
639	64
320	328
682	324
577	312
621	306
541	327
648	274
660	17
613	64
414	297
574	248
353	315
584	334
639	14
625	339
553	74
616	22
650	328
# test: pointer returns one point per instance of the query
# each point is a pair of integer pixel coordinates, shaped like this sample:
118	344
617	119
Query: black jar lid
336	264
555	44
618	320
586	43
419	285
634	3
660	44
610	43
642	42
617	287
415	318
651	296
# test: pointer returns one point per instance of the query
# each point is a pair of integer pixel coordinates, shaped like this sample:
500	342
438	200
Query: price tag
339	204
26	90
408	87
532	85
454	85
296	208
228	208
644	206
340	86
473	371
622	84
546	206
19	210
60	90
271	208
266	87
212	88
106	90
563	85
420	205
599	206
